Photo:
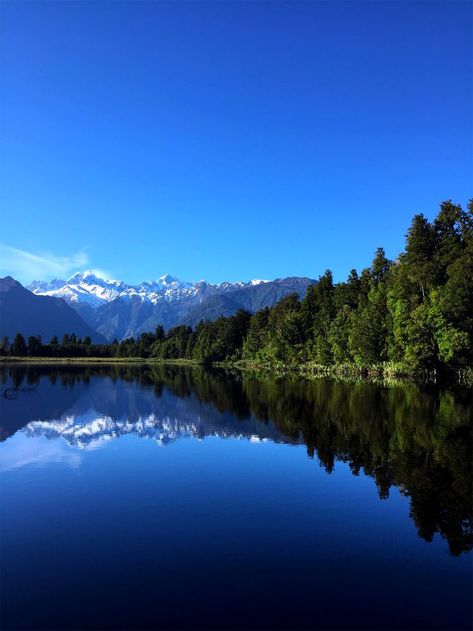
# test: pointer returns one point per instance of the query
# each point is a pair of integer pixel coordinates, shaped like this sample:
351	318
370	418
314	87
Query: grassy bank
96	360
72	360
388	373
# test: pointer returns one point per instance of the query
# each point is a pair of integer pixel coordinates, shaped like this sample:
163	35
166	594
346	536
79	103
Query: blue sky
227	140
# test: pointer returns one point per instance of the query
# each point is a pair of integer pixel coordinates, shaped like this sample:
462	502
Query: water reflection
418	439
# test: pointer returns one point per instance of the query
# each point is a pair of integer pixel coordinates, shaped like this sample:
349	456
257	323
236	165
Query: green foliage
416	313
221	339
339	335
367	340
420	250
380	266
421	348
257	335
449	226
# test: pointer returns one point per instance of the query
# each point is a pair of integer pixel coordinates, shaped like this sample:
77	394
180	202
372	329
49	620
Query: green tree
34	345
380	266
368	336
449	226
285	330
421	349
339	335
18	347
318	311
420	250
257	336
4	345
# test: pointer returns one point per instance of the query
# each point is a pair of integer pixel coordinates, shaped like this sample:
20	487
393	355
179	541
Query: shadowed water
159	497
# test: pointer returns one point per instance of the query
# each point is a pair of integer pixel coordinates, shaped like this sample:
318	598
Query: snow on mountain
119	310
93	428
90	289
38	286
84	287
258	281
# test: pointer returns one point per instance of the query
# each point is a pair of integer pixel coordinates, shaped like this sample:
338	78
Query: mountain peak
167	279
30	314
258	281
89	274
8	282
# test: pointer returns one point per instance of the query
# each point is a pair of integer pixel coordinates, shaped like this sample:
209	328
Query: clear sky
227	140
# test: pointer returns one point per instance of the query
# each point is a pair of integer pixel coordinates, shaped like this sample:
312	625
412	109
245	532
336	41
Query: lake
156	497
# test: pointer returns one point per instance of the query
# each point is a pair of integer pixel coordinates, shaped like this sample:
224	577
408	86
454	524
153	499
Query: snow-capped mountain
119	310
93	428
86	287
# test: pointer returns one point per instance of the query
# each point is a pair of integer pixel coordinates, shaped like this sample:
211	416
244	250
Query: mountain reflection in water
417	439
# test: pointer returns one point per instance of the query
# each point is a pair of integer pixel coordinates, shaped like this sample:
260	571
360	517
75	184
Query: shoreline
386	373
96	360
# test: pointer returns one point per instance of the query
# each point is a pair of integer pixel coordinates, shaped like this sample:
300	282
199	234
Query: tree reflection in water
418	439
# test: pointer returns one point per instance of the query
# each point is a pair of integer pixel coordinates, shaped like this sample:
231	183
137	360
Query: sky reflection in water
172	498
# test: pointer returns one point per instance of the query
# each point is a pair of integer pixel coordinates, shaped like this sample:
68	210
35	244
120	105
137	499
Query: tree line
415	313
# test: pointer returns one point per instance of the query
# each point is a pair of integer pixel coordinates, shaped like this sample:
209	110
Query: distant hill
21	311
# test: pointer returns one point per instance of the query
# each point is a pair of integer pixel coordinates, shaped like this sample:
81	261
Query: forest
411	315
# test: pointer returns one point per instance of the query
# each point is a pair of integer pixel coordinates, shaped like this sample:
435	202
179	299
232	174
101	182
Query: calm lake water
164	498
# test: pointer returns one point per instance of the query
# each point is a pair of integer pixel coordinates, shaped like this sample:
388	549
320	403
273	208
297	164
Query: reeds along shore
387	373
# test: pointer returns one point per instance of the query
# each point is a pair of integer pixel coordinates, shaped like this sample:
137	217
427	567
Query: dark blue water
137	498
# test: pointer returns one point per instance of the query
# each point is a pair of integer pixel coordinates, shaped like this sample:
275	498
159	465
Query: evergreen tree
18	347
380	265
257	336
159	334
339	335
34	345
368	337
448	234
4	345
420	250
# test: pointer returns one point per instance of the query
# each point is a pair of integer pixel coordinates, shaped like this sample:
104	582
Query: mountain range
115	309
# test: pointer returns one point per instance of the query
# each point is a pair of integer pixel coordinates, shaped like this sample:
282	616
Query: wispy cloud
21	451
27	266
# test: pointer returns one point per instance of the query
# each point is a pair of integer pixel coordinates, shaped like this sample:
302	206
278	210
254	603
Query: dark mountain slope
251	299
21	311
211	308
121	318
268	294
